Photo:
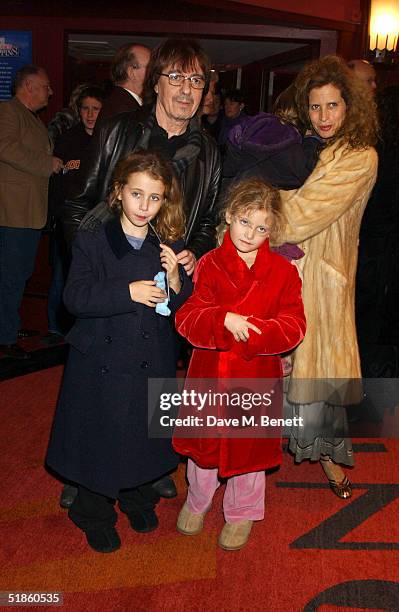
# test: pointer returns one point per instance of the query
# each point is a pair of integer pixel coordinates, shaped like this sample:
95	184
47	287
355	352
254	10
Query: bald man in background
127	74
365	71
26	164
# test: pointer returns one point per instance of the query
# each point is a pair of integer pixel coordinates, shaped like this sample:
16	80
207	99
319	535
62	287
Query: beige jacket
25	167
324	218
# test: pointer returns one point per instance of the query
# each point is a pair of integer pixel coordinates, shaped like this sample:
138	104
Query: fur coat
324	218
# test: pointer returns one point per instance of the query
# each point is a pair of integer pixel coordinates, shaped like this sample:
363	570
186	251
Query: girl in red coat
245	311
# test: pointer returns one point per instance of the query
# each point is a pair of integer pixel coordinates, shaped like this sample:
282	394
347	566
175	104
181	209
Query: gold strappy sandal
343	488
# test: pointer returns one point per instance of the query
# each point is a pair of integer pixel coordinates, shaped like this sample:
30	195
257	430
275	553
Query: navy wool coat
99	437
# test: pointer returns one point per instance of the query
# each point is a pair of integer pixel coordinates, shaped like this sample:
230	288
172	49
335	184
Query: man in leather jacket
177	76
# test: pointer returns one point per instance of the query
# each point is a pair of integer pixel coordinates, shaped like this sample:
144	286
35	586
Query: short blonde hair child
254	194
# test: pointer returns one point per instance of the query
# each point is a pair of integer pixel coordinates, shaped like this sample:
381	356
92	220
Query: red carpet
312	551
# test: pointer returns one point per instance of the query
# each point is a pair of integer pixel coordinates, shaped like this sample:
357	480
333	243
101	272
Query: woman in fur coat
324	218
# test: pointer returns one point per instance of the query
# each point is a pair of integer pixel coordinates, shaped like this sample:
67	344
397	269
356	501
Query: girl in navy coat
99	438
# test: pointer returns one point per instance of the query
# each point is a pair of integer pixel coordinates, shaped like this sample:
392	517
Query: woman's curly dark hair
360	126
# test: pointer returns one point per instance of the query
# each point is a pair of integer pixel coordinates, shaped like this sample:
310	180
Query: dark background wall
52	20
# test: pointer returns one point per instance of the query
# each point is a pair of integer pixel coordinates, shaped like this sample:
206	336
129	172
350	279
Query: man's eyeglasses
176	79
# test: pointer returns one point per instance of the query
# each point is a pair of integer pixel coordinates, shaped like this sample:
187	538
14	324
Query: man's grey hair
24	73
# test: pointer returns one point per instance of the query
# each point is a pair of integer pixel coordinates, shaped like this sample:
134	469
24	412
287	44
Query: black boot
139	506
165	487
68	495
103	540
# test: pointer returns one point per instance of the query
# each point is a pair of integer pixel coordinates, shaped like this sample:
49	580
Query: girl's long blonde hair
254	194
170	220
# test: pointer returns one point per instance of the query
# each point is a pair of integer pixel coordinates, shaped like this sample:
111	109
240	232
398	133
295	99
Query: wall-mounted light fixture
384	31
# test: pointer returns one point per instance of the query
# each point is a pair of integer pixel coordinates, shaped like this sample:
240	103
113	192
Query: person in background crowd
233	106
377	281
128	71
324	218
71	146
26	163
286	109
178	74
67	117
212	113
366	73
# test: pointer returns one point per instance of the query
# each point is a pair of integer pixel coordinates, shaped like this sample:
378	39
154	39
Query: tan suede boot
235	535
189	523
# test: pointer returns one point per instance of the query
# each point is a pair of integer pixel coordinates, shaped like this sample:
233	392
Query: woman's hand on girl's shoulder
147	293
239	326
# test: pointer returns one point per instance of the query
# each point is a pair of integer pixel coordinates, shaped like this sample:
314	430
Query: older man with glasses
177	78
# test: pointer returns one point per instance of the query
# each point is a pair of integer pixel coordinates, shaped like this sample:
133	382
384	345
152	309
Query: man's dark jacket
119	136
118	101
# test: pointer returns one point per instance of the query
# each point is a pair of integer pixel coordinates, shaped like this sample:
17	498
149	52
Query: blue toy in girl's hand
162	308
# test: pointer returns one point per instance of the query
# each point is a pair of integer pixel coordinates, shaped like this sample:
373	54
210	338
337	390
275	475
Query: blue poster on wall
15	51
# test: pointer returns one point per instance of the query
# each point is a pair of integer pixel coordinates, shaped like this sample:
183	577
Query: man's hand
187	259
239	326
58	164
147	293
170	263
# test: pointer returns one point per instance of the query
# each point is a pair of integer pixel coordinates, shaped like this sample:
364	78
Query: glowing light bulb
384	24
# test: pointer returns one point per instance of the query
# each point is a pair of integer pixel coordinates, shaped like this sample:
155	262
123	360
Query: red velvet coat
270	291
